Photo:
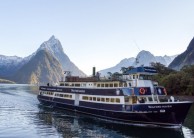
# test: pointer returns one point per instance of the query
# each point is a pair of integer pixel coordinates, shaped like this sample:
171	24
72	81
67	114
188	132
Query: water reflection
70	124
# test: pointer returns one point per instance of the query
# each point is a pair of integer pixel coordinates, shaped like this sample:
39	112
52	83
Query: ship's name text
160	106
78	91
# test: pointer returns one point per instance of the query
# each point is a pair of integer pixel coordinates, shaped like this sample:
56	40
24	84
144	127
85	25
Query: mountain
9	65
186	58
44	65
42	68
123	63
54	47
144	58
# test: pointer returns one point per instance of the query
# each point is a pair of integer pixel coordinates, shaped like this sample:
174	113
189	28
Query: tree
123	70
116	76
110	75
161	69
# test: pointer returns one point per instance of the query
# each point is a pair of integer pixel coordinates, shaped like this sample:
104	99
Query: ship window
134	99
94	98
150	99
111	85
98	98
62	84
120	84
112	100
117	100
98	85
102	85
106	85
77	85
133	76
126	99
129	84
84	85
85	97
90	98
61	95
103	99
115	85
66	84
70	96
107	99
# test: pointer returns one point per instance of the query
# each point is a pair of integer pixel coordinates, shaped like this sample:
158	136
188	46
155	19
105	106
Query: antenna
137	58
137	45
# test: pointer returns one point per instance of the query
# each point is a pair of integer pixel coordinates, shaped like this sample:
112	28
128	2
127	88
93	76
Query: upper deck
135	77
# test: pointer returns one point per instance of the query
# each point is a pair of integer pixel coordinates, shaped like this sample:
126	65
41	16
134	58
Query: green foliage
176	82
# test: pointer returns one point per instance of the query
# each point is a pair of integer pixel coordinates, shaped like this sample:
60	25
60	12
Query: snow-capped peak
10	59
52	38
53	45
144	58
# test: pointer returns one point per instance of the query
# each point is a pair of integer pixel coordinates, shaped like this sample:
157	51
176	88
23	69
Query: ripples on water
21	115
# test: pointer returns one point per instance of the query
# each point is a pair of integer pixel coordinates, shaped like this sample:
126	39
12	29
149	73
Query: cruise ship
131	97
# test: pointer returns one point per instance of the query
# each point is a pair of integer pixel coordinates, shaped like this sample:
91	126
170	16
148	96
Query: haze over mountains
144	58
48	63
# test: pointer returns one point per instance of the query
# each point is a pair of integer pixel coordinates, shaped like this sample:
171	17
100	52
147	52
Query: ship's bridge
140	77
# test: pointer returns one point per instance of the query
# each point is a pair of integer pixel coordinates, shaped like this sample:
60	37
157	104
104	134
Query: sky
97	33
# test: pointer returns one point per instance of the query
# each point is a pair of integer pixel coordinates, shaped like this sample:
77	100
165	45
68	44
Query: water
21	115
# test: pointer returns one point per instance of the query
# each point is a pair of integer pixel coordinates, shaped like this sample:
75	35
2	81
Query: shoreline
178	97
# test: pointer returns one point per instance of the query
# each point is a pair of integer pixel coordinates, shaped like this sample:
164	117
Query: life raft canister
142	91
